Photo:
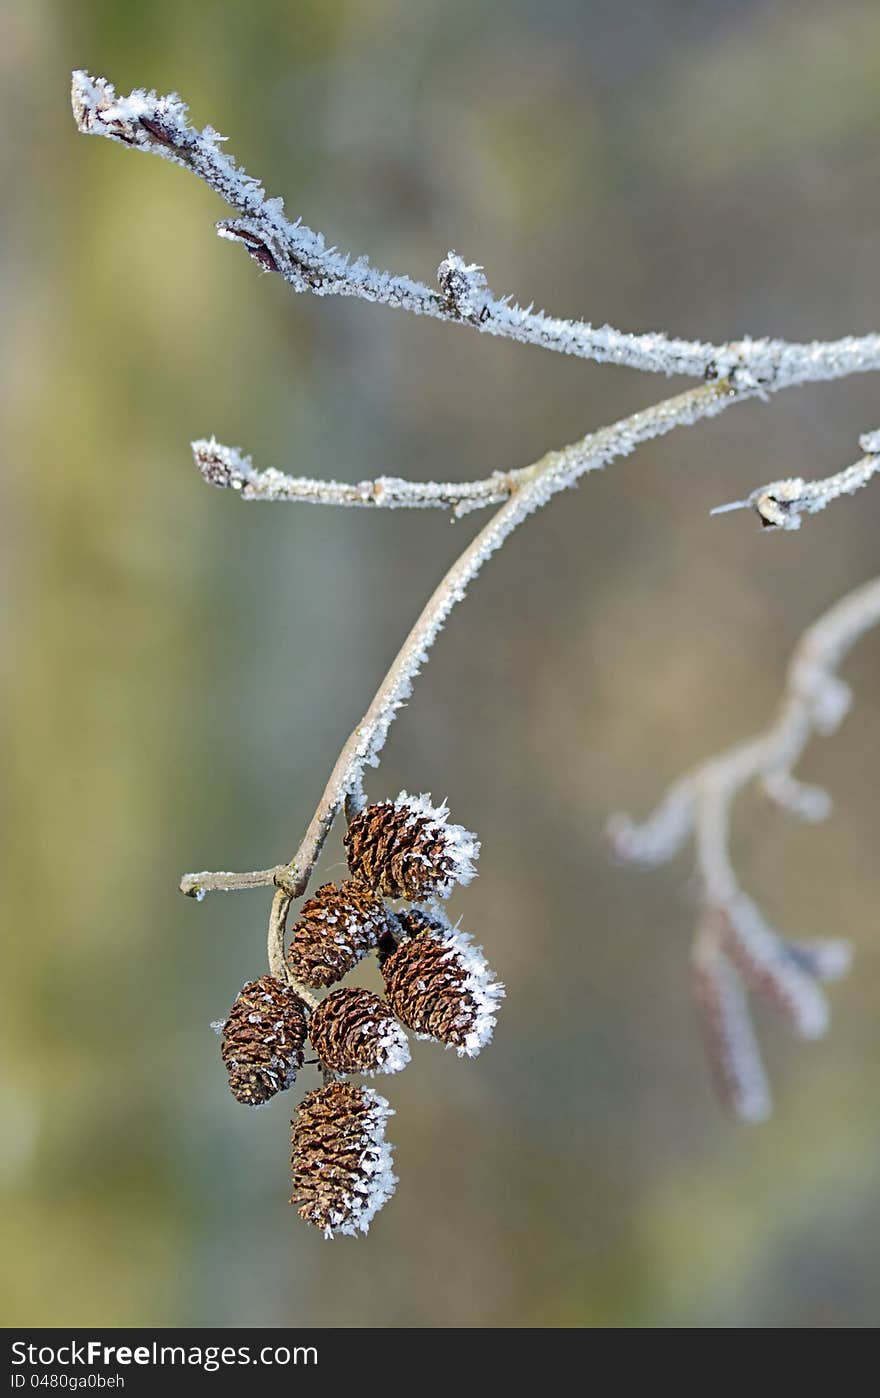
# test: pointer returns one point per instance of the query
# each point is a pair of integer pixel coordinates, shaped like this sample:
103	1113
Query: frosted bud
463	284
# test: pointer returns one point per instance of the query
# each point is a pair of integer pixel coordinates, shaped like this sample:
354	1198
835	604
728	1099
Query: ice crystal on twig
463	285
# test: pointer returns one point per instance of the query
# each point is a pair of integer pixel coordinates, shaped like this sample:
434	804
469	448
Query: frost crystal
393	1049
480	984
464	286
377	1181
461	848
870	443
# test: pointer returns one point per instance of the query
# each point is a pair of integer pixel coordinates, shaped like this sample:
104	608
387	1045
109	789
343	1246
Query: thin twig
781	504
197	885
230	469
277	925
159	125
538	483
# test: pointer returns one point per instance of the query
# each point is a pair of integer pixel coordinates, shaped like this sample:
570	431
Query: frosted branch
735	948
230	469
159	125
536	485
781	504
197	885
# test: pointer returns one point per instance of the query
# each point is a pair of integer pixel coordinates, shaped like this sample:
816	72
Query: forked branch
735	951
554	472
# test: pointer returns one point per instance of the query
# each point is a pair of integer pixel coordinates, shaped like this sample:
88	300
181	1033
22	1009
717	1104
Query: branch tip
301	256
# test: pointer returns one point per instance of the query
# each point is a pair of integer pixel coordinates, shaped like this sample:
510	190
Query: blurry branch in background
733	940
735	950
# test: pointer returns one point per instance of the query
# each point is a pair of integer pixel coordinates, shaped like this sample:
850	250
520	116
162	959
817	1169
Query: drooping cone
354	1031
335	928
407	849
340	1160
440	985
263	1038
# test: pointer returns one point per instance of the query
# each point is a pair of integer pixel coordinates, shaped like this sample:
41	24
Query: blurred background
180	670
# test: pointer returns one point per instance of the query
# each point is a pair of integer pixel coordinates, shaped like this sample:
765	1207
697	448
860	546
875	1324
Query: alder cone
407	849
263	1038
440	986
334	930
354	1031
340	1160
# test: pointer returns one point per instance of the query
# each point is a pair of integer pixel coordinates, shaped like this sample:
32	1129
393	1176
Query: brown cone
340	1162
335	928
440	986
354	1031
263	1038
402	851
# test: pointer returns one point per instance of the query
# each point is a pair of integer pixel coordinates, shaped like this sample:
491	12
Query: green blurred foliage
180	670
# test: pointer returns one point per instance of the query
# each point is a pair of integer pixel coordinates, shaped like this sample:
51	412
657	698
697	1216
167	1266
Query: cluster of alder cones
437	985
